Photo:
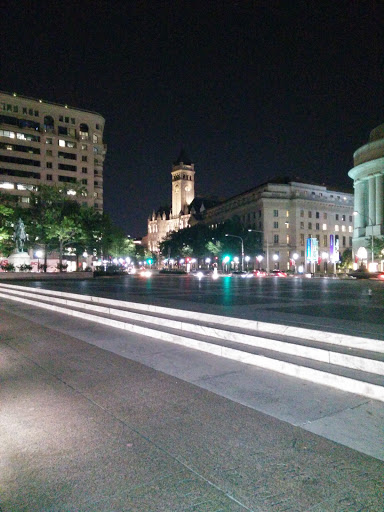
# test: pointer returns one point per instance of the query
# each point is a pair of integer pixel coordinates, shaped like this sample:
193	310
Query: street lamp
262	232
247	258
242	249
39	255
370	220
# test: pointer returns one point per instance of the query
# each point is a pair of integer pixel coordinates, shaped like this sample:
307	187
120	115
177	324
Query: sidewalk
85	430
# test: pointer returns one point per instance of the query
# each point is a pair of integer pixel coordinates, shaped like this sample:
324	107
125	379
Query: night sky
251	89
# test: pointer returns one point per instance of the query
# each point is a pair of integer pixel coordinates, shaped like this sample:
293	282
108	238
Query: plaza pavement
90	423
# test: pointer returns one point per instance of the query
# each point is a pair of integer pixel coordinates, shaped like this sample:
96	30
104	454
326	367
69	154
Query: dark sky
251	89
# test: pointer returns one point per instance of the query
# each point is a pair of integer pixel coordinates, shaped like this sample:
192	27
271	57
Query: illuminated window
287	239
336	227
95	139
62	143
287	213
343	229
324	227
7	185
350	229
84	147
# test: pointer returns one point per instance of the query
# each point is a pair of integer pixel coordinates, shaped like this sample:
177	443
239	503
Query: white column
379	200
359	205
372	201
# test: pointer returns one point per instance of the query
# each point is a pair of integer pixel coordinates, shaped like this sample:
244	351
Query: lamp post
242	249
370	220
262	232
39	255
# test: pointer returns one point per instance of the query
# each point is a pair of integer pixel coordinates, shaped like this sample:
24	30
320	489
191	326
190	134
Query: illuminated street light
262	232
370	220
242	248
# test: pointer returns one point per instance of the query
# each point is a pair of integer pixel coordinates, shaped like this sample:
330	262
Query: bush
62	267
8	267
25	268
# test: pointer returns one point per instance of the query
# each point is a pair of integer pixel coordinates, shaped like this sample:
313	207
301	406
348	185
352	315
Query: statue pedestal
19	258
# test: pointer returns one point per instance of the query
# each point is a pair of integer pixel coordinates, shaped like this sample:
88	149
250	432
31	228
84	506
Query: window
84	158
275	213
343	218
317	215
336	227
66	119
63	130
61	118
350	241
343	228
350	218
67	179
48	140
301	213
97	126
350	229
96	183
49	152
344	241
25	199
25	112
309	225
95	139
287	213
72	120
84	182
337	216
49	165
324	216
309	215
84	170
325	240
301	225
324	227
62	143
301	238
317	226
67	167
259	214
49	177
84	147
287	239
275	239
276	225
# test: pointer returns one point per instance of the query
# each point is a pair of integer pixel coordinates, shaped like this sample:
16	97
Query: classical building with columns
367	175
287	213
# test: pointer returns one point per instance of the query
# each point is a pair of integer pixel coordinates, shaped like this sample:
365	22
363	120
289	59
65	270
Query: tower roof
183	158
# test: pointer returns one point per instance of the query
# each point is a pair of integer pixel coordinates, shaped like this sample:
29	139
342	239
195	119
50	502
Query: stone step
359	373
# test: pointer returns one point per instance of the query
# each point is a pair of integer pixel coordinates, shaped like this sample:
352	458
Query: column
379	200
359	205
372	201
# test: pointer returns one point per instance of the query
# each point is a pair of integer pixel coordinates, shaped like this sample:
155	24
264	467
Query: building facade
368	178
177	217
47	143
287	214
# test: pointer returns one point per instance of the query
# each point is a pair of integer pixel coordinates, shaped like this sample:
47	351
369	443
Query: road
348	306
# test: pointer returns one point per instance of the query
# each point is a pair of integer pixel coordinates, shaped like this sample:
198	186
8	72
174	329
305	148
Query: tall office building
48	143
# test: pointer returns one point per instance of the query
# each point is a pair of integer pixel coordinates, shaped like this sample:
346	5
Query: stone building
287	213
367	175
47	143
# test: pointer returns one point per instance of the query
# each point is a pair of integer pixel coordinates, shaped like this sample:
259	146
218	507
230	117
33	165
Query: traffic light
149	261
226	258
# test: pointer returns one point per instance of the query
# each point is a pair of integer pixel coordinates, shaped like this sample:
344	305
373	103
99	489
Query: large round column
372	201
379	200
359	204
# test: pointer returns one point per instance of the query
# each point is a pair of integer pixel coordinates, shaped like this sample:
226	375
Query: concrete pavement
88	428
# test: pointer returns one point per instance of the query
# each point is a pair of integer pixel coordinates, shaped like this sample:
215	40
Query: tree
346	259
8	213
378	247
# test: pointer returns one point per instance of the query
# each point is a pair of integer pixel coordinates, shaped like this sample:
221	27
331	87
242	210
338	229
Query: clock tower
183	183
